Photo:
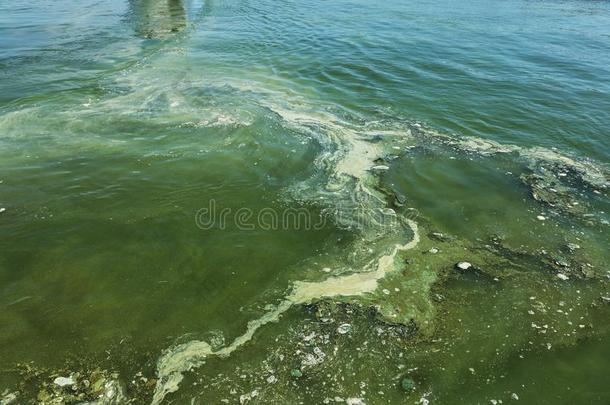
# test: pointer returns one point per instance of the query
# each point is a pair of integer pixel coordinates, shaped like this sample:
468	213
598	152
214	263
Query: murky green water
265	202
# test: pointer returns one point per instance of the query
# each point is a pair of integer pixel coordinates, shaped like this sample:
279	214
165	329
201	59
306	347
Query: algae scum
288	202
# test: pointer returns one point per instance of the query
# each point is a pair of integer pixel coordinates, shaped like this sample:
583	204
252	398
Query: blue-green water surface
487	122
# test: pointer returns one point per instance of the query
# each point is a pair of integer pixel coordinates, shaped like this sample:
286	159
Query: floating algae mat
304	203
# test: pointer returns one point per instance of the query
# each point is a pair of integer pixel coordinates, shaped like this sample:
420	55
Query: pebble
562	276
386	291
64	381
2	210
541	217
433	250
381	167
463	265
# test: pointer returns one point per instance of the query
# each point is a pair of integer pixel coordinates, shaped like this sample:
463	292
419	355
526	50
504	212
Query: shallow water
188	188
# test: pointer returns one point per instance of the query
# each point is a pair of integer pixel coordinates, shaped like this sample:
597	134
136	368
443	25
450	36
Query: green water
320	129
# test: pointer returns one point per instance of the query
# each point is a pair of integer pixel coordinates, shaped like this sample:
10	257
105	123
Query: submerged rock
296	373
407	384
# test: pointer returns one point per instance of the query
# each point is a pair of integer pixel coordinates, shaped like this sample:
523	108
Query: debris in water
573	246
64	381
438	236
8	397
247	397
463	265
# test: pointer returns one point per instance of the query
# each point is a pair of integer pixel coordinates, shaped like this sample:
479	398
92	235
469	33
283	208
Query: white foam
592	173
